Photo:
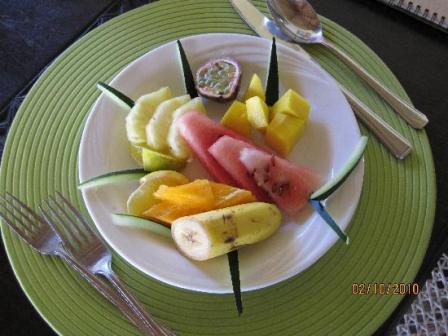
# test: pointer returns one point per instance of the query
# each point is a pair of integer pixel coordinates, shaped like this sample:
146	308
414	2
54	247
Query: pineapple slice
142	112
255	89
257	113
236	119
283	133
293	104
158	126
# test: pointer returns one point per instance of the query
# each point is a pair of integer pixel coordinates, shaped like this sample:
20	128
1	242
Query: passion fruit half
219	79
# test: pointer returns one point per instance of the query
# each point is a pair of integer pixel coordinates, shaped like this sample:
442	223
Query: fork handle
409	113
133	304
109	294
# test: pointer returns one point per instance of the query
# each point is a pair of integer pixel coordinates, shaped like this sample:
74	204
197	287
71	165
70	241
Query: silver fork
36	231
92	252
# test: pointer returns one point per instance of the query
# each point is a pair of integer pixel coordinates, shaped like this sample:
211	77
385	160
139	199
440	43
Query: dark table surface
32	33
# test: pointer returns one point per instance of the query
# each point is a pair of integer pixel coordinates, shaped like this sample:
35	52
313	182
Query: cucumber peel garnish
137	222
272	84
331	186
118	97
235	276
186	70
117	176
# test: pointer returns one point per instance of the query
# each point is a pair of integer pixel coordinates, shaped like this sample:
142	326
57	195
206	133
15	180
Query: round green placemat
389	232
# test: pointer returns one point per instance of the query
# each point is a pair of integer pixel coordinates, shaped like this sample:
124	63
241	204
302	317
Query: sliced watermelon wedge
226	151
289	185
200	132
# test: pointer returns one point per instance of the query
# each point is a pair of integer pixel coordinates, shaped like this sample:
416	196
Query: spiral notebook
433	12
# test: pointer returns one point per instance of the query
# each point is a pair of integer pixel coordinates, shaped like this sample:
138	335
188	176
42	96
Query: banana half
215	233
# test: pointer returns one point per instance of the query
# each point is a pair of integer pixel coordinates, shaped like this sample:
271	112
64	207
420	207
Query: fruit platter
220	143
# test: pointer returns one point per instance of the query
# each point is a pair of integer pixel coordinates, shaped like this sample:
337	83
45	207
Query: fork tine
19	229
17	219
50	214
75	229
77	214
34	224
29	211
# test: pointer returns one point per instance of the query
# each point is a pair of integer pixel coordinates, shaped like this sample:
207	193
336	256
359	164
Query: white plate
331	135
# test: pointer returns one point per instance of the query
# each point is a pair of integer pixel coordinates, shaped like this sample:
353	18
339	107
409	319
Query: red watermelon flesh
288	184
226	151
200	132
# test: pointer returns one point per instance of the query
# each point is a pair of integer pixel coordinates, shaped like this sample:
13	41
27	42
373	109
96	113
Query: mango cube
283	133
255	89
293	104
257	113
236	119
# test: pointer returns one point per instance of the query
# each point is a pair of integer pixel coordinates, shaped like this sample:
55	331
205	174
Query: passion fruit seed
219	79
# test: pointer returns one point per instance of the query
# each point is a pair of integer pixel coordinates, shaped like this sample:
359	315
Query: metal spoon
299	21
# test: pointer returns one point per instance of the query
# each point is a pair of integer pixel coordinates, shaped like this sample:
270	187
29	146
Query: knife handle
409	113
389	137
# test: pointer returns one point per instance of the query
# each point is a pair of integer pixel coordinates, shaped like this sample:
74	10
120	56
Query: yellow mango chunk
236	119
226	196
257	113
255	89
283	133
197	194
293	104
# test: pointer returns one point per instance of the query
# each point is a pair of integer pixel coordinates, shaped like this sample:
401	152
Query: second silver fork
91	251
38	233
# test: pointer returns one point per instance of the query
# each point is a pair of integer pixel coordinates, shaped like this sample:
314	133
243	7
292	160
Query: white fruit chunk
159	125
178	146
142	111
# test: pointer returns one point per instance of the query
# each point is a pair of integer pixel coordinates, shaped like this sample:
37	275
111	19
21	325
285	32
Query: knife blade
397	144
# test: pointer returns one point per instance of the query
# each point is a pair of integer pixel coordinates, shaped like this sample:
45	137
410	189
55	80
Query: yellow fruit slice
142	198
159	125
255	89
293	104
226	195
197	194
236	119
142	111
283	133
168	212
257	113
177	145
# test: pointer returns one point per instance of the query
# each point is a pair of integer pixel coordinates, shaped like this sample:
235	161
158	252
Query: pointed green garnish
272	84
188	75
235	276
118	97
319	207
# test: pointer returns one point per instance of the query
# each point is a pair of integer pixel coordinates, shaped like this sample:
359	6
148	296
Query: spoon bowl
297	19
